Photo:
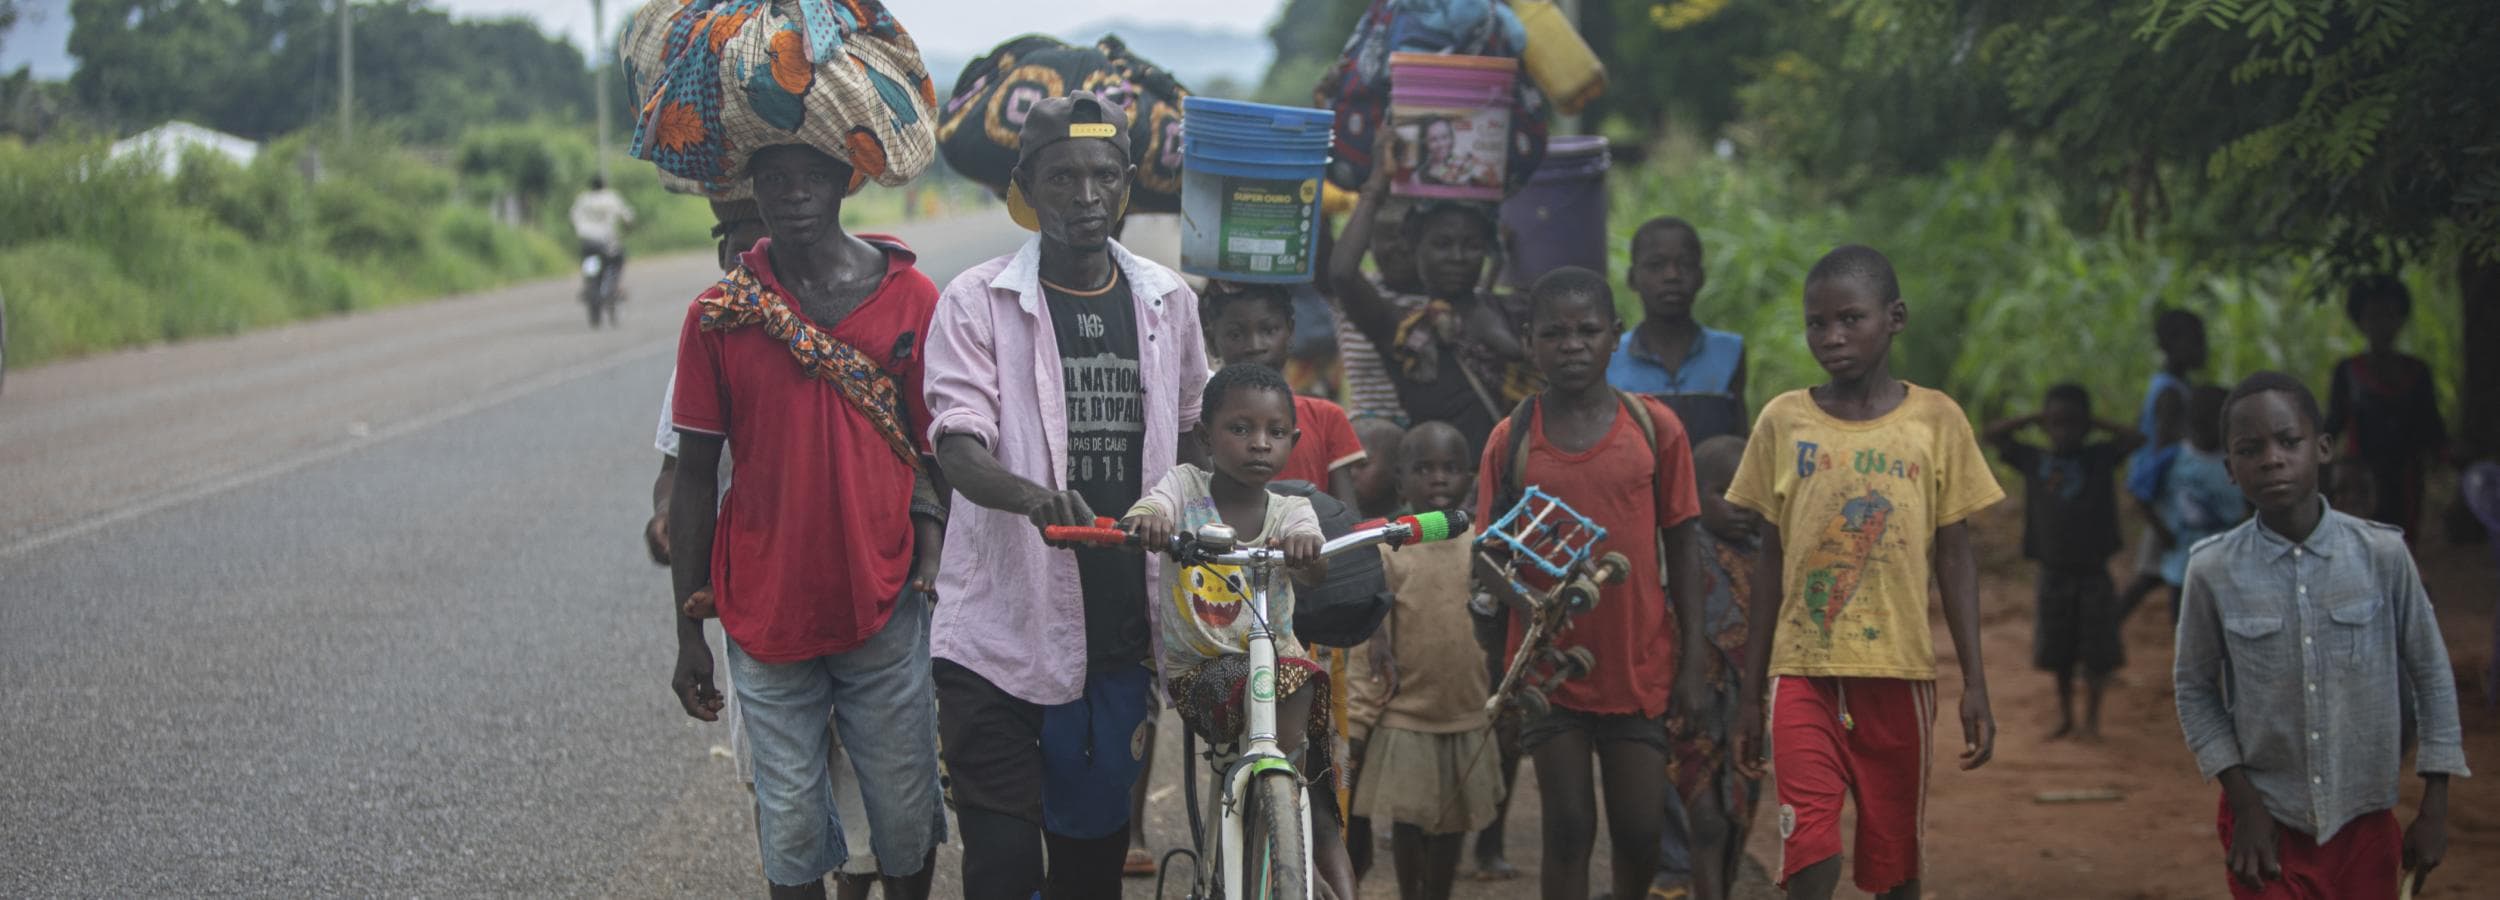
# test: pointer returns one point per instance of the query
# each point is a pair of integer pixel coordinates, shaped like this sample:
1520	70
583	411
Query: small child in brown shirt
1429	765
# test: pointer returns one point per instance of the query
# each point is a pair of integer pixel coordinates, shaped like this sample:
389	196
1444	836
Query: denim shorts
884	707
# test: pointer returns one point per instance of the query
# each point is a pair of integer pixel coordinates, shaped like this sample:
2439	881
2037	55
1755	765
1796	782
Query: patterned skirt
1208	697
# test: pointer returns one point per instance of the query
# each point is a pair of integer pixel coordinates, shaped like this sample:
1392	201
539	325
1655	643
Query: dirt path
1989	837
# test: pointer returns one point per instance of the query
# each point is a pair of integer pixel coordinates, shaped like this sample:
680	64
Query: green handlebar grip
1437	526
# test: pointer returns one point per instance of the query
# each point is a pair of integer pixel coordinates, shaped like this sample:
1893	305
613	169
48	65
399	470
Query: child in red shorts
2315	625
1859	480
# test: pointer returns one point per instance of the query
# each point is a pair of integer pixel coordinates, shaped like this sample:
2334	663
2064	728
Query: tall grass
2006	296
98	253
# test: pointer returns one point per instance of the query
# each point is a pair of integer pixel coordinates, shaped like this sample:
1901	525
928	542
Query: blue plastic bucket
1559	218
1250	176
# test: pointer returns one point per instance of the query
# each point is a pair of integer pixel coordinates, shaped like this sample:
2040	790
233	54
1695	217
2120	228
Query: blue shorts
1068	767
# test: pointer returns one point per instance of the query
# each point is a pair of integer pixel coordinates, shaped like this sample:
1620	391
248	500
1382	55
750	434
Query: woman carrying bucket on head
1453	111
1458	357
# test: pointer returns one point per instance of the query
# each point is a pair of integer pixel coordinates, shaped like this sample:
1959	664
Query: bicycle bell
1217	534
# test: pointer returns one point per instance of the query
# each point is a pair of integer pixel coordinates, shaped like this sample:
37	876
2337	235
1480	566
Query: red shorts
2361	862
1878	758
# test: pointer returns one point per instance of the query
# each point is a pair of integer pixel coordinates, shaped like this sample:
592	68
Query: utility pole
599	77
347	76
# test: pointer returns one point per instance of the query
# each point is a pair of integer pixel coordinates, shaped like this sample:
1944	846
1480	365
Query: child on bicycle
1247	429
1428	764
1588	445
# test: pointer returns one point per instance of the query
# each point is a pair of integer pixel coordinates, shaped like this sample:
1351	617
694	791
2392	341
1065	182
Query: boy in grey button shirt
2304	635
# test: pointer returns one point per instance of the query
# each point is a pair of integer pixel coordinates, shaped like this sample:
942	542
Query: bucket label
1266	224
1453	151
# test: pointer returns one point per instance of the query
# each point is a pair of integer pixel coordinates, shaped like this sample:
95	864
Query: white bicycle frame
1261	755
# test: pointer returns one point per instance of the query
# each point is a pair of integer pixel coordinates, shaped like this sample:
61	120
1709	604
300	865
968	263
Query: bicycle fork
1262	757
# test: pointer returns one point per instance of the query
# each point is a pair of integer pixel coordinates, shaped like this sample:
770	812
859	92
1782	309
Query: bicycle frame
1261	754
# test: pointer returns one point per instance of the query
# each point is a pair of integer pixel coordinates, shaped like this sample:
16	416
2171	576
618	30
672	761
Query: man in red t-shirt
819	560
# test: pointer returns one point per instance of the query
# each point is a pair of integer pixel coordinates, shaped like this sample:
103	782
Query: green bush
98	253
2006	296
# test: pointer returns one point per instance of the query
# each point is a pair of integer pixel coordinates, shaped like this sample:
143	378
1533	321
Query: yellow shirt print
1857	505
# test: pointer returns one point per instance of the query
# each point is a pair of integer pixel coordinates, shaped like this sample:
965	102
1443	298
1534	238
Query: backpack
1346	609
1514	484
1523	418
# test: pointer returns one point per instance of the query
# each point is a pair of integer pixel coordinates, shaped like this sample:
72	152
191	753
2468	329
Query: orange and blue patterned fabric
721	79
742	301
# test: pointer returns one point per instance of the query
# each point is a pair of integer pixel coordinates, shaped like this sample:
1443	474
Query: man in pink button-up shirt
1060	380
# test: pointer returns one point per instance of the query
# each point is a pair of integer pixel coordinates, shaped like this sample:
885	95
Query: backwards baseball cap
1079	115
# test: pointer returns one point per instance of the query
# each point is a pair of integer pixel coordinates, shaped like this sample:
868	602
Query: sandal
1140	863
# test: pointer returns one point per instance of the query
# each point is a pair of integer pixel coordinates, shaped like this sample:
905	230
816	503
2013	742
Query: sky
950	28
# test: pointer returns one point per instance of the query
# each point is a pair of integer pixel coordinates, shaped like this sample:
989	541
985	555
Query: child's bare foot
2064	728
1494	868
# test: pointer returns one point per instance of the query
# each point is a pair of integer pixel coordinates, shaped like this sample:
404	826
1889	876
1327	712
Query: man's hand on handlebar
1059	508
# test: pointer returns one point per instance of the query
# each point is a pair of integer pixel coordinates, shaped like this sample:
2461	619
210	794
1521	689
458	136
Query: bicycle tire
1281	846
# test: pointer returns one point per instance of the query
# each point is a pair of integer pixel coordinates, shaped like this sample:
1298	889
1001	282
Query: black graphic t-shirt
1106	447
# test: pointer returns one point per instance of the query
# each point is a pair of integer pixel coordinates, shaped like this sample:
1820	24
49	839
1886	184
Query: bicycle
600	291
1262	847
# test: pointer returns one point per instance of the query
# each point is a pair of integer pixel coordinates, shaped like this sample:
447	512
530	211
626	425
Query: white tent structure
168	143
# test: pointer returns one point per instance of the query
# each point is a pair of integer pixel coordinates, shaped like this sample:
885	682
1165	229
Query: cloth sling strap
743	301
1523	418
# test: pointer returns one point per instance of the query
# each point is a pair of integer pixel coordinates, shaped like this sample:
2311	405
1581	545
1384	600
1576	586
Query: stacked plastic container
1250	188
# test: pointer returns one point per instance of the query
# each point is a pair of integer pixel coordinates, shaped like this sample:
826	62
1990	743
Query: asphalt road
359	606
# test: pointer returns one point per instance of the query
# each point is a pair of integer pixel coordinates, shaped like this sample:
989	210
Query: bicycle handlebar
1416	529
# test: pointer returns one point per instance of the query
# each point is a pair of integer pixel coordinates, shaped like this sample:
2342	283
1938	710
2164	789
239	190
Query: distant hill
1198	56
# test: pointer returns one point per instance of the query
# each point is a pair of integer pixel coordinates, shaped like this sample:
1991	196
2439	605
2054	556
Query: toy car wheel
1531	702
1577	662
1614	568
1579	595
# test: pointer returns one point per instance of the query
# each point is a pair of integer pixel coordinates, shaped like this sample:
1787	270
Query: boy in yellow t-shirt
1863	482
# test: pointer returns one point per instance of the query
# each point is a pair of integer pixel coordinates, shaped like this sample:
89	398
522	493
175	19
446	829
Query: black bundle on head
1427	212
2377	289
1570	282
1859	264
1222	295
2070	392
2269	382
1239	378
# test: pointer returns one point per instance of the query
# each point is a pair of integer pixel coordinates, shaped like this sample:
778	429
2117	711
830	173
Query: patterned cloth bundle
721	79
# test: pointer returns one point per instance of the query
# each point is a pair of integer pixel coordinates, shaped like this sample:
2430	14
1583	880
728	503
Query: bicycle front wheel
1277	865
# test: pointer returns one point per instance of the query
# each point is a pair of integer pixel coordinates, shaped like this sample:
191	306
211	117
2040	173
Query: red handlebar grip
1077	534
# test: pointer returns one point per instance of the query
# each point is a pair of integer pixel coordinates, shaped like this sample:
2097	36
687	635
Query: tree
260	68
1309	34
2360	131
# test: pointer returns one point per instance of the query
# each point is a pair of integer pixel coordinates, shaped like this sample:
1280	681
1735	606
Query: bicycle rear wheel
1277	865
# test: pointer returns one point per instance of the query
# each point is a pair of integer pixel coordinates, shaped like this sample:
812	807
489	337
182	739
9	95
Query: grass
98	254
2006	296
